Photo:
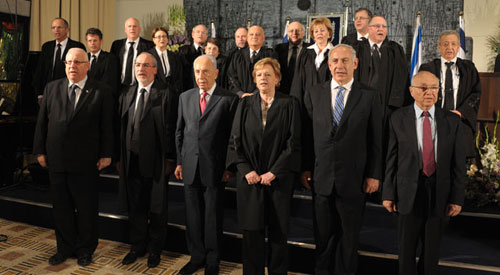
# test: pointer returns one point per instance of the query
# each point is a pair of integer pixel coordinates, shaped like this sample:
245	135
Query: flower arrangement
483	185
175	24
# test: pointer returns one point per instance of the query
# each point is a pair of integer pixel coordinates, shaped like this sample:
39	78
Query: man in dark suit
460	86
346	123
51	62
189	53
423	190
103	65
127	50
147	156
289	53
203	126
240	70
74	139
362	17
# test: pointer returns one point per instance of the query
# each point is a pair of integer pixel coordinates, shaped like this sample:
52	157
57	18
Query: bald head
240	37
424	89
132	29
256	37
295	32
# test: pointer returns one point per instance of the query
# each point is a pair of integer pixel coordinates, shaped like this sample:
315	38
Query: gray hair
84	53
155	63
449	32
349	47
212	59
301	26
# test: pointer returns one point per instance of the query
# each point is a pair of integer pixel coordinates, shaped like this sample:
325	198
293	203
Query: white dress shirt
164	57
96	57
419	116
63	47
125	54
78	91
320	56
361	36
146	94
334	89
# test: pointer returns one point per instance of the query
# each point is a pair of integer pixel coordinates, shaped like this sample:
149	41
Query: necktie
58	65
338	109
164	64
127	79
137	115
448	88
253	57
72	96
427	147
375	63
291	63
203	102
200	50
94	60
362	38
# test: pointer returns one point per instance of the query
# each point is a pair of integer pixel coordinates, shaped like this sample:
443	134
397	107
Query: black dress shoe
131	257
84	259
211	269
57	258
190	268
153	260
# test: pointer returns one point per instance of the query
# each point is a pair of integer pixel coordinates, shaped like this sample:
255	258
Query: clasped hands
101	164
264	179
451	210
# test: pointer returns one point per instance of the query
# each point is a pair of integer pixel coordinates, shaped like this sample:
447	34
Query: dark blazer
156	142
276	149
174	80
468	97
118	49
44	70
201	140
281	51
240	70
404	161
105	70
74	142
350	152
188	54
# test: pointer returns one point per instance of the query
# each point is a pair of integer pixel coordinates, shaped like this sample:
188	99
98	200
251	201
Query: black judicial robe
227	62
221	66
350	39
468	97
281	51
188	54
175	80
240	70
276	149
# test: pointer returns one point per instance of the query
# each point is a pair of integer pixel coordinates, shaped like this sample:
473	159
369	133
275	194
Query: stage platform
471	244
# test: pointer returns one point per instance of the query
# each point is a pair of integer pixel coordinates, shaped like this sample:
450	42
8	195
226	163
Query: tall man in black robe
128	49
189	53
460	86
240	70
362	17
147	155
240	41
346	124
289	53
51	62
204	122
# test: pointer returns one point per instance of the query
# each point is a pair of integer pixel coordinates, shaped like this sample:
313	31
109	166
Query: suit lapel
129	99
122	51
461	83
84	94
326	104
410	126
63	87
214	99
195	101
442	129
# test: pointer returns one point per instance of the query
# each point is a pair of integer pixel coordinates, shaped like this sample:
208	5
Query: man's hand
227	176
42	159
371	185
305	179
453	210
252	177
103	163
178	172
267	178
169	166
390	206
456	112
246	94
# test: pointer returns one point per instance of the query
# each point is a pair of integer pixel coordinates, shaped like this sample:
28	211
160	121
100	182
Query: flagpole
346	19
461	32
416	51
212	29
285	33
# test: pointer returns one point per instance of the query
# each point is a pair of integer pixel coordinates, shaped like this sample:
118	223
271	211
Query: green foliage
493	43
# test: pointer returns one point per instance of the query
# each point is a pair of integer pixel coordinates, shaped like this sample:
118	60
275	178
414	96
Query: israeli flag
461	31
285	35
416	50
212	29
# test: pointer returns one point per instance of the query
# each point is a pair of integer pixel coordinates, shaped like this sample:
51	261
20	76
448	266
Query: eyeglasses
423	88
58	27
361	18
145	65
161	37
76	62
378	26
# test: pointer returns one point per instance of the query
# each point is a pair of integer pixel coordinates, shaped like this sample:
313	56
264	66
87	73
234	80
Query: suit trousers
422	226
144	235
338	223
75	210
204	218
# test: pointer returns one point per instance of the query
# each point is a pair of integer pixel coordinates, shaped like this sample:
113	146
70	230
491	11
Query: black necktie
57	62
72	98
94	60
253	57
375	63
127	79
291	63
448	88
200	50
164	65
137	118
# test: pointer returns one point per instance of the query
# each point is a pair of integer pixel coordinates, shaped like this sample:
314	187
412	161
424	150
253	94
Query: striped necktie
338	109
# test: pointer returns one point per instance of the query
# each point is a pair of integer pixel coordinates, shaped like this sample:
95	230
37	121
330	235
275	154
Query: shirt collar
315	47
378	44
196	46
257	51
443	61
209	92
63	43
148	88
347	86
418	111
136	42
96	54
80	83
361	36
290	45
160	52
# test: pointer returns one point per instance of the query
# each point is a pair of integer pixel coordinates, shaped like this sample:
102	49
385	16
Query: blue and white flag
285	35
416	50
461	31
